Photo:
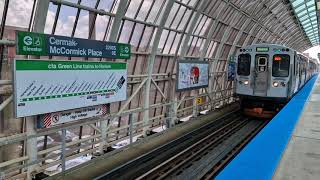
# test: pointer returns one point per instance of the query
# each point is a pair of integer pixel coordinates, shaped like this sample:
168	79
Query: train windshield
280	65
244	61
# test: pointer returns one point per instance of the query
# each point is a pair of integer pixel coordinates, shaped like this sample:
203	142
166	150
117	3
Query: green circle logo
27	40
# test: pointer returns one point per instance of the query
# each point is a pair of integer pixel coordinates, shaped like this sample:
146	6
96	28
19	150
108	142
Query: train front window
244	61
280	65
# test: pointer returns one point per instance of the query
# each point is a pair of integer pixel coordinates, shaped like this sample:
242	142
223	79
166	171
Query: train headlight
275	84
283	84
246	82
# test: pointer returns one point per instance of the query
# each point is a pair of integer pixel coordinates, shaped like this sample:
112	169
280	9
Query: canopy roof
305	11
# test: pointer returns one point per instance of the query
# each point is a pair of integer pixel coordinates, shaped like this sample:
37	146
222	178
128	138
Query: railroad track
199	154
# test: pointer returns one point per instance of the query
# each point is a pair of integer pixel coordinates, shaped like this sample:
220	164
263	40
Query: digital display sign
262	49
192	75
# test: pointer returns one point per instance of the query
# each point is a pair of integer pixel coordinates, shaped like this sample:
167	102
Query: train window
244	62
262	61
280	65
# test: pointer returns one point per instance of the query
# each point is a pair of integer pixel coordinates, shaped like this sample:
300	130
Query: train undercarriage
261	107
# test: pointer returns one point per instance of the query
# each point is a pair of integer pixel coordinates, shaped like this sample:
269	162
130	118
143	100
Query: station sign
56	118
192	75
29	43
42	86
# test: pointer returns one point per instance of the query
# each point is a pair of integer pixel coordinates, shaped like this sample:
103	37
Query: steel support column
192	26
113	38
246	41
38	26
239	34
151	60
117	20
219	51
184	46
206	46
210	33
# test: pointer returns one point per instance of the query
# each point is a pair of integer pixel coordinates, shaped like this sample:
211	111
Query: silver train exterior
269	73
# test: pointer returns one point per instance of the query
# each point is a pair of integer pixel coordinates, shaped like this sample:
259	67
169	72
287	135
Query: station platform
288	147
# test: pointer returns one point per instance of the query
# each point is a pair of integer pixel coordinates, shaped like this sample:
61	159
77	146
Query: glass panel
244	62
310	3
280	65
300	8
296	3
303	18
302	13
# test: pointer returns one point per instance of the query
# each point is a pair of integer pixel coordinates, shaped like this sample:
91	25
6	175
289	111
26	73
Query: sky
20	11
313	52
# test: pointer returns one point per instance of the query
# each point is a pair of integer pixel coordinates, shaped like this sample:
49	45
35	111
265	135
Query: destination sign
29	43
262	49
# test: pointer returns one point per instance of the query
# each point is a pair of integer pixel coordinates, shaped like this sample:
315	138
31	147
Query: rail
89	145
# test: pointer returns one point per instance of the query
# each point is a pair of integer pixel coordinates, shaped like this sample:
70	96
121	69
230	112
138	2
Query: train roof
268	45
316	61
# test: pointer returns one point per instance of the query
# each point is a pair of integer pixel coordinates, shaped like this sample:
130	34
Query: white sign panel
192	75
56	118
49	86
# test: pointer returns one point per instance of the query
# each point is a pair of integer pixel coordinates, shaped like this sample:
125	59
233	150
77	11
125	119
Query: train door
261	75
303	73
296	73
300	73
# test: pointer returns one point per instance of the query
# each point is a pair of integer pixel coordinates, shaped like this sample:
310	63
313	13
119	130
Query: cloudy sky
313	52
20	11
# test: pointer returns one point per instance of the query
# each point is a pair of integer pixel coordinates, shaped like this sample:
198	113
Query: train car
268	76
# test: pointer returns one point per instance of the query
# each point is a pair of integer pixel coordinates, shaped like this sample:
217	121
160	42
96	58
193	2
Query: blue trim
260	158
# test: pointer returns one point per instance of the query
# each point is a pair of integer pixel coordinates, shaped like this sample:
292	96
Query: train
269	75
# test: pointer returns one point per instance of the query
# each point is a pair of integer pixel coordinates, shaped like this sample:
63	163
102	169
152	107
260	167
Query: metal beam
238	36
117	20
7	42
192	26
38	26
158	88
151	60
211	33
79	6
246	41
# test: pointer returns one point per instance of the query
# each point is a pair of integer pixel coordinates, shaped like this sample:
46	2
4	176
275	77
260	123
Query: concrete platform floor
301	159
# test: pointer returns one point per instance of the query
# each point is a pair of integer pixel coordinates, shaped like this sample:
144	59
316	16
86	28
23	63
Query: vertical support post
195	108
63	149
174	109
193	23
104	129
131	127
184	47
246	41
113	38
171	114
38	26
117	20
31	144
239	34
206	46
151	60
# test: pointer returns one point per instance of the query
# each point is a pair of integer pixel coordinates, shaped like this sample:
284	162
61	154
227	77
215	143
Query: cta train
269	75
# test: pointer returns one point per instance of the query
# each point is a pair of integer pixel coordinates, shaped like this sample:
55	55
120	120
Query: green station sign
29	43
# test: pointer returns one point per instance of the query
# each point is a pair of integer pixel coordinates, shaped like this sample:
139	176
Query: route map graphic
50	86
